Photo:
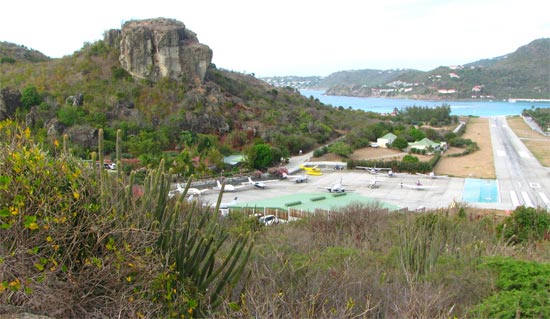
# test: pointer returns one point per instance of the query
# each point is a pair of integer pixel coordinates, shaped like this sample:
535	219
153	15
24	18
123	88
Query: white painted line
545	199
524	154
501	153
534	185
527	200
515	200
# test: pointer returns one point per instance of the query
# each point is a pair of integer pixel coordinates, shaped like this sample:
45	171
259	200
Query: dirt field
537	143
479	164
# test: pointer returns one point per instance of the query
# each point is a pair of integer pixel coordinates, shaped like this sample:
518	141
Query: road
522	179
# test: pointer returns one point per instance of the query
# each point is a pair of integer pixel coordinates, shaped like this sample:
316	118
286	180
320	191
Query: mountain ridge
524	73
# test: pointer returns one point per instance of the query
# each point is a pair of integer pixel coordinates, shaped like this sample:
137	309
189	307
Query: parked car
270	220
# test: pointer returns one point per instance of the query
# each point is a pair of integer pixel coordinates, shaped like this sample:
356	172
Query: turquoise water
480	191
383	105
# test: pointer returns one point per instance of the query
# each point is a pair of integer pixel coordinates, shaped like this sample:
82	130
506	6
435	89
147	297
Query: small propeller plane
336	188
228	187
375	170
312	170
432	175
258	184
373	183
190	192
417	186
296	178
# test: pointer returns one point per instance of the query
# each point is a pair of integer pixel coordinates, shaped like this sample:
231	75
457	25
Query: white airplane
418	186
336	188
228	187
297	178
373	183
432	175
190	192
258	184
375	170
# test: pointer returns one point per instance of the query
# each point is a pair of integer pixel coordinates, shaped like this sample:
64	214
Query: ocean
482	108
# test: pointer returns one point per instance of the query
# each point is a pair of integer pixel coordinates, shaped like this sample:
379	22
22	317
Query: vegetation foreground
77	242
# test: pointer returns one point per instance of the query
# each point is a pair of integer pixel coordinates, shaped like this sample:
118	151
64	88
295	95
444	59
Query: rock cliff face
156	48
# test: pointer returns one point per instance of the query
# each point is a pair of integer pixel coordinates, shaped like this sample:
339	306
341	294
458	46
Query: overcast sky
298	37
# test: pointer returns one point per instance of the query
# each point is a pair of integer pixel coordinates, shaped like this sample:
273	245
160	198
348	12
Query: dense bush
76	242
525	224
522	289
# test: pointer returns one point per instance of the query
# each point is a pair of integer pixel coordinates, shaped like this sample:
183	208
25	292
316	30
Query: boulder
83	135
156	48
10	100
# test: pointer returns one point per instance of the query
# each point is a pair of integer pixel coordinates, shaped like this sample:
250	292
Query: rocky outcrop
156	48
83	135
10	100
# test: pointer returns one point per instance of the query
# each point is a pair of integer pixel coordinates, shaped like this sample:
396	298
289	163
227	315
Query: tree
260	156
30	97
416	134
525	224
400	143
340	148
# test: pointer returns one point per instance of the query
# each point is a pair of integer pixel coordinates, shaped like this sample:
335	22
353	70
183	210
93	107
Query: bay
482	108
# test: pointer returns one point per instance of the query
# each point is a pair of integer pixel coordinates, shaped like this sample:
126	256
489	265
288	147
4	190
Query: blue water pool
480	191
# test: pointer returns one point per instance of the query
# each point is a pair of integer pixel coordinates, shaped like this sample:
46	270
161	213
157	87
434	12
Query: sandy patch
538	144
479	164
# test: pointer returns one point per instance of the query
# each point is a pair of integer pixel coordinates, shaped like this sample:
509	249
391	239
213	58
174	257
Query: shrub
522	290
76	242
525	224
30	97
400	143
410	159
340	148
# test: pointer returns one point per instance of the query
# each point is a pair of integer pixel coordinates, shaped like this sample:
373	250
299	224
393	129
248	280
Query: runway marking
524	154
527	200
515	200
534	185
501	153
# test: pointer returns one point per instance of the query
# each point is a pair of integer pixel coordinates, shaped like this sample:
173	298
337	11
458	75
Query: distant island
521	75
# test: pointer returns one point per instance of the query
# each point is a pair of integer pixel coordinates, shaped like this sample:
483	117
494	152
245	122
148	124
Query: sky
297	37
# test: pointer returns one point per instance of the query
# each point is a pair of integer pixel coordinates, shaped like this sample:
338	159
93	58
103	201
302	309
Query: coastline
459	107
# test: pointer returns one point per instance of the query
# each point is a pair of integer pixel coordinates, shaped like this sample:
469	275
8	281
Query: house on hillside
386	140
234	160
427	144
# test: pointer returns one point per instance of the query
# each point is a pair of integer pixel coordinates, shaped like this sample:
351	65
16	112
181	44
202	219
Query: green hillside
229	112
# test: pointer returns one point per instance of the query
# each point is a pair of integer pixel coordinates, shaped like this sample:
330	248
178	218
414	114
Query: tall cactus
118	154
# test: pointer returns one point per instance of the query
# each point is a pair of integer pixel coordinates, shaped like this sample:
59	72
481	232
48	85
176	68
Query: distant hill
524	73
11	53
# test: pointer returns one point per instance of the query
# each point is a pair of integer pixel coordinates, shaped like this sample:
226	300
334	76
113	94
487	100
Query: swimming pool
480	191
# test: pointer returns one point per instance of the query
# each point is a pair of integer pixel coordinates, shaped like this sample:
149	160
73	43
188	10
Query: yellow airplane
312	170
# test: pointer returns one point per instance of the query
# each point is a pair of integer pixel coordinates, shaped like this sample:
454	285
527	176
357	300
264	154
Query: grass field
538	144
479	164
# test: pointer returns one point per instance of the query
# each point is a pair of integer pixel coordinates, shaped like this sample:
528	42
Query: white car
270	220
